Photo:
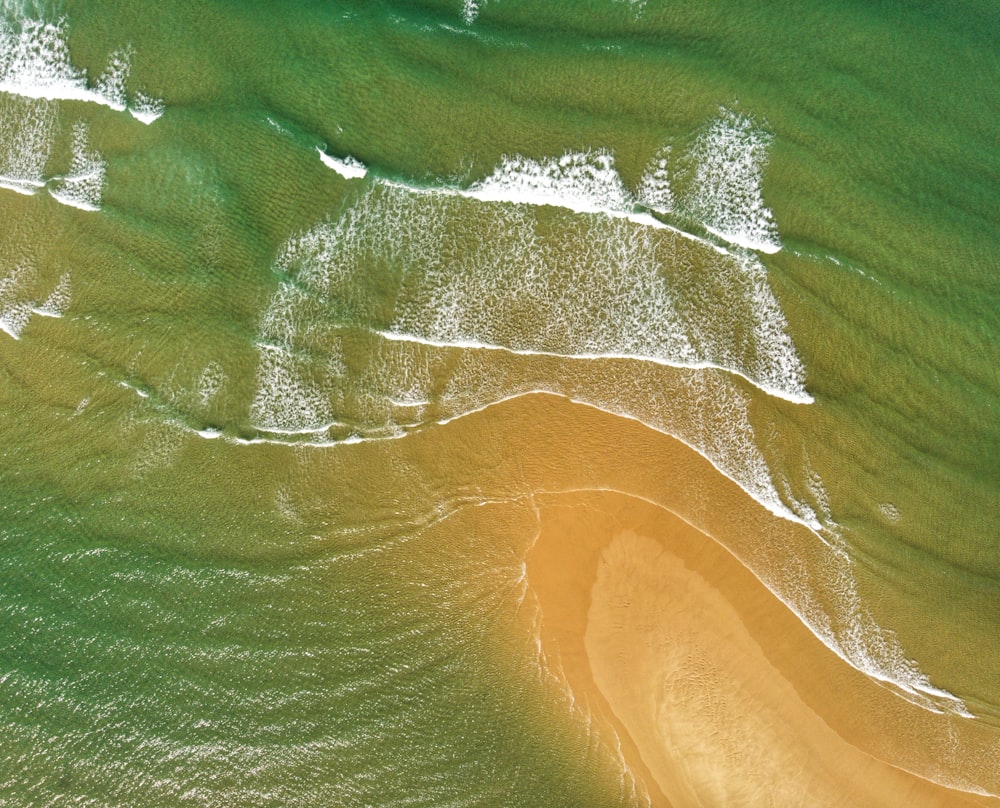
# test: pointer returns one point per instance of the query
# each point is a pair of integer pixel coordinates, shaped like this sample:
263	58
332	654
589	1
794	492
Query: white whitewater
597	301
37	78
348	167
602	292
28	136
20	290
83	184
56	304
585	182
725	193
724	181
35	63
655	191
470	10
16	299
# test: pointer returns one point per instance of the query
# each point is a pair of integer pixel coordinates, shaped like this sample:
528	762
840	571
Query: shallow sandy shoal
717	692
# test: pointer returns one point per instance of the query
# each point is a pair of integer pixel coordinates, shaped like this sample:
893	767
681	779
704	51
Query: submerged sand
717	693
663	633
685	664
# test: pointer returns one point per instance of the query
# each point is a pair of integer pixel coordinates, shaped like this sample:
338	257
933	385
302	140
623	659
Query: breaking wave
81	187
552	276
38	83
35	63
721	177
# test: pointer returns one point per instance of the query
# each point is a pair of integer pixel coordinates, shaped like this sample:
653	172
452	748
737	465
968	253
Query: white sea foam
654	189
609	283
586	182
73	201
596	290
395	336
601	295
83	184
36	74
210	383
601	290
16	299
601	287
134	388
35	63
858	638
57	302
527	196
18	186
725	192
145	108
111	84
348	167
617	313
19	295
723	184
829	603
890	512
470	10
29	129
287	398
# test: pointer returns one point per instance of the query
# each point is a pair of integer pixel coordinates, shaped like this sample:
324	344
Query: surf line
146	110
285	437
919	689
29	187
350	168
916	689
639	217
792	396
39	67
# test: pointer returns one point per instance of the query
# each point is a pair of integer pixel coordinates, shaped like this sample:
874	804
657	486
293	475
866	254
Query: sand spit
664	634
655	636
719	694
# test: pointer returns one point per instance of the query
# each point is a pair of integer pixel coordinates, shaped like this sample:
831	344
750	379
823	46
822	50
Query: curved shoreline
533	445
677	648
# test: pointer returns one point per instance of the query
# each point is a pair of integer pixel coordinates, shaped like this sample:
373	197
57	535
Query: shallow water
260	261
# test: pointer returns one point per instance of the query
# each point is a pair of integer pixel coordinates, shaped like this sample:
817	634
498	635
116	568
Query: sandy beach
717	692
652	627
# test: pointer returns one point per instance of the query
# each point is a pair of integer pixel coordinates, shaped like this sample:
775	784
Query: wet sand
717	692
642	624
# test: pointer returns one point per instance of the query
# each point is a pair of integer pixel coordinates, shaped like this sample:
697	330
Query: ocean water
282	287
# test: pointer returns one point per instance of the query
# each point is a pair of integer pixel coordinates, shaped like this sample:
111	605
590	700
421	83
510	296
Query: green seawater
244	561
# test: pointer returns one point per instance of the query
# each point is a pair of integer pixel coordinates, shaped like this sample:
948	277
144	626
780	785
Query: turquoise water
256	260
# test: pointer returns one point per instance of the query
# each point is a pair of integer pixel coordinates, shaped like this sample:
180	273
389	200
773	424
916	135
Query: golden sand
645	627
718	694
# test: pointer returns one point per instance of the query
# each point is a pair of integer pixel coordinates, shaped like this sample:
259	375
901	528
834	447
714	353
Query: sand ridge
633	614
757	710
